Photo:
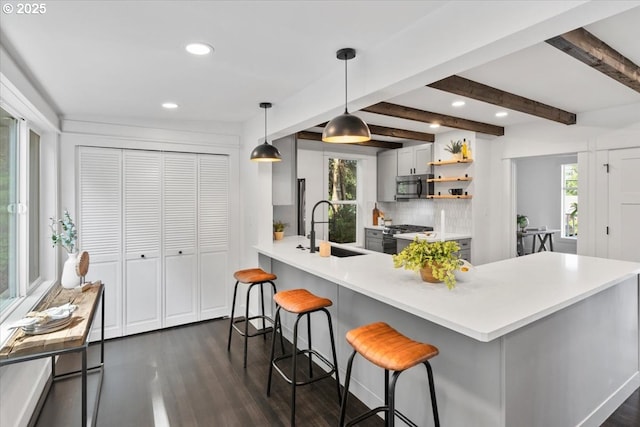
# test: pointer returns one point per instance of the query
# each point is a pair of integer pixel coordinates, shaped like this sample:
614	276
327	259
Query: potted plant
455	148
63	233
436	261
522	222
278	229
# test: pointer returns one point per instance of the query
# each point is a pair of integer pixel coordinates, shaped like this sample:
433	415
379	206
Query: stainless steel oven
390	243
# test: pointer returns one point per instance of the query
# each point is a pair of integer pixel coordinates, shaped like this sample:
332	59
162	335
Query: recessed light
169	105
434	125
199	48
502	114
458	103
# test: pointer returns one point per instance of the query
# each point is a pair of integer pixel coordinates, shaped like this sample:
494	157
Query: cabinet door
142	240
405	161
100	228
422	157
387	172
213	236
179	221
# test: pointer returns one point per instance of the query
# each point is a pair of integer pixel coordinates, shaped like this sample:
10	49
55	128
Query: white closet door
142	240
624	204
179	221
99	177
213	235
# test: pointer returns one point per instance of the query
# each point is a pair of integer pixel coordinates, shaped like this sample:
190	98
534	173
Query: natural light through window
343	186
570	200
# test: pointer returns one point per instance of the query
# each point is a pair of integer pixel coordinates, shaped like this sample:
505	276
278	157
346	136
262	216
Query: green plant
279	226
454	147
63	232
522	221
441	257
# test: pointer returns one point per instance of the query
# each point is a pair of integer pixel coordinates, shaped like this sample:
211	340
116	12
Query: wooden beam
589	49
409	113
397	133
315	136
474	90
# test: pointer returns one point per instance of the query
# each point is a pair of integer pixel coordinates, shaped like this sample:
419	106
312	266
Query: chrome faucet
312	234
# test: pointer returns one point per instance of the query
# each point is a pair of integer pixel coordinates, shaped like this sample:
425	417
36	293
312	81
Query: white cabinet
156	227
142	240
414	160
387	172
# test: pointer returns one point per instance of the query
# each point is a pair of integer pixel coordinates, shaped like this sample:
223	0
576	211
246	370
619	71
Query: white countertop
502	297
433	236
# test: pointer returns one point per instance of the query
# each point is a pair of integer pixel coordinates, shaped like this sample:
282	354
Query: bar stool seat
388	349
303	303
252	277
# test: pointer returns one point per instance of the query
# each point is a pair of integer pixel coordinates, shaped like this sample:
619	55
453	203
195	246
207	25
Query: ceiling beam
315	136
589	49
397	133
409	113
478	91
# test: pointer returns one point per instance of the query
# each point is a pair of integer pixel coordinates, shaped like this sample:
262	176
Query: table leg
533	244
84	387
551	242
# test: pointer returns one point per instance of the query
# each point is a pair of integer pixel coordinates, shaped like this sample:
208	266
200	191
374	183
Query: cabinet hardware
179	252
142	256
606	165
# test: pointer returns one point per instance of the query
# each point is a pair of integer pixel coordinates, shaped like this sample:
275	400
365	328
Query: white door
179	221
142	240
213	236
100	229
624	204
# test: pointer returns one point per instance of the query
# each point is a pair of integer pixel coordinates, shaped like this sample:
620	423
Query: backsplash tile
457	214
427	212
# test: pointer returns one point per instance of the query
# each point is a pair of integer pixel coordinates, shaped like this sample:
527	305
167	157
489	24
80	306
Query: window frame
358	202
563	200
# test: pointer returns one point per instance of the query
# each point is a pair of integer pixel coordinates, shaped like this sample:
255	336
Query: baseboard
613	402
22	389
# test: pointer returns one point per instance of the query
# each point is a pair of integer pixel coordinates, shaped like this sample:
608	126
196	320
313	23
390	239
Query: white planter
70	278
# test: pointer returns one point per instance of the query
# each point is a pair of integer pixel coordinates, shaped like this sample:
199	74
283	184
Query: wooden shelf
450	162
448	196
450	179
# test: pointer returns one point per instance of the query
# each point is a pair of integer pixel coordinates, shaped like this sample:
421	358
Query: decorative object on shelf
63	233
83	265
376	214
522	222
346	128
278	229
465	149
265	152
455	148
438	259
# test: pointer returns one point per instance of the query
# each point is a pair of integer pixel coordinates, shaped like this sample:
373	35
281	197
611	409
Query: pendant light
346	128
265	152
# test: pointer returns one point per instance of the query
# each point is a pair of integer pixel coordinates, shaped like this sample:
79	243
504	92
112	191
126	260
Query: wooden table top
73	336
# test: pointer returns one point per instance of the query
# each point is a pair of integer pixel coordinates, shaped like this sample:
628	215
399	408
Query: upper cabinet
415	160
387	172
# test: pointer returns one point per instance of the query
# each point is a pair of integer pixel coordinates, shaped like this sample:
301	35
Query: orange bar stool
301	302
253	277
387	348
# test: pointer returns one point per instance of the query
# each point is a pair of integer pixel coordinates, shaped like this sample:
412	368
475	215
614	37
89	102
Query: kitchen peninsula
528	341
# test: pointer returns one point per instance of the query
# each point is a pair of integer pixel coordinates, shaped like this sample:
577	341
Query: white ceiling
124	58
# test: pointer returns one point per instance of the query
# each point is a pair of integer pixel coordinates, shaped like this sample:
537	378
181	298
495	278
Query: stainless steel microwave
413	187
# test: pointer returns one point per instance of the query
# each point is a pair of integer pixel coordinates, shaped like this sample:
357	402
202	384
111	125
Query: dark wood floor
185	377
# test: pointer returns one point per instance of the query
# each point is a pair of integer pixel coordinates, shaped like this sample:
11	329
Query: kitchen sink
342	253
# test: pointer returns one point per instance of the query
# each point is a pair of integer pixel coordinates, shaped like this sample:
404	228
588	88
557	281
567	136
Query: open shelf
448	196
450	179
450	162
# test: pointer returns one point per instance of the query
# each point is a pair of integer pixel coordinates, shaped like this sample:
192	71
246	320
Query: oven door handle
419	188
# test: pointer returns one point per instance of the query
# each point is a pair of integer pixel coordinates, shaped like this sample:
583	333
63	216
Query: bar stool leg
294	369
345	396
246	321
391	421
264	336
432	390
276	326
333	351
386	396
310	346
233	309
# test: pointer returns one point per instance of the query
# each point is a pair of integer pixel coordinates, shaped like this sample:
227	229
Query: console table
544	237
21	347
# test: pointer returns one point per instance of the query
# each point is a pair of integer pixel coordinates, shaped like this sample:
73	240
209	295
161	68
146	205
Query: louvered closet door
99	223
179	220
213	235
142	240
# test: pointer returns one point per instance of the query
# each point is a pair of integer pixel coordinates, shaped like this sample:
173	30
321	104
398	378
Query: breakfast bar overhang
548	339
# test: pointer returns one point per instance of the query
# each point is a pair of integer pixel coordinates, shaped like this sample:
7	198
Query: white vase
70	278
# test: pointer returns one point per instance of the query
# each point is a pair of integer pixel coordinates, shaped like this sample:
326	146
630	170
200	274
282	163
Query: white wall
538	192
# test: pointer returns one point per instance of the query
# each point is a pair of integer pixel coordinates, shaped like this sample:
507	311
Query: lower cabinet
373	240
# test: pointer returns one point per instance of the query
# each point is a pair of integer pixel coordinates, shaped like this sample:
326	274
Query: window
570	200
343	186
19	208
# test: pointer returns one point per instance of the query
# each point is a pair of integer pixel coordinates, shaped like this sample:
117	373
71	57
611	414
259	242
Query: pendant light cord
345	87
265	125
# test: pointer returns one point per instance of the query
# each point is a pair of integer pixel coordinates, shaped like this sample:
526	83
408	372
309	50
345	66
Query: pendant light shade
346	128
265	152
